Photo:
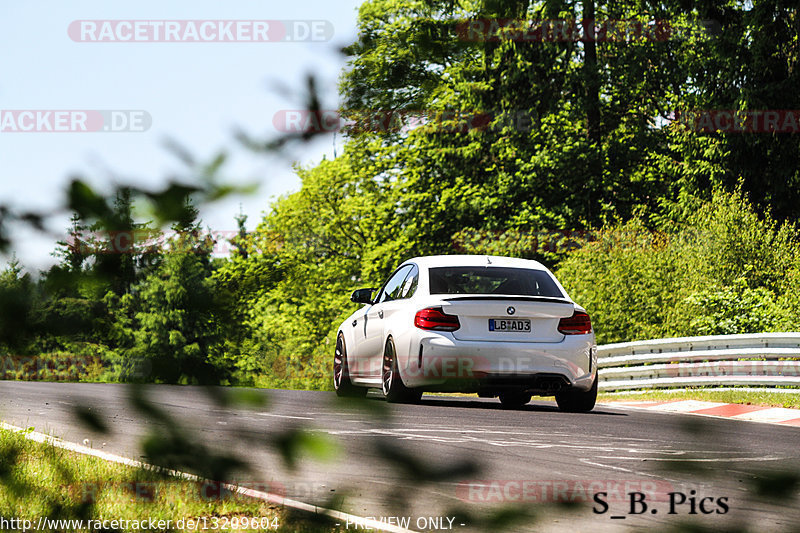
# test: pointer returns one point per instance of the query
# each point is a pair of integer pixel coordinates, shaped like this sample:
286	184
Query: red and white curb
734	411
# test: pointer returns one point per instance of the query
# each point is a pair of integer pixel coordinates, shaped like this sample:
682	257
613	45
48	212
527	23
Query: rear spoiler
547	299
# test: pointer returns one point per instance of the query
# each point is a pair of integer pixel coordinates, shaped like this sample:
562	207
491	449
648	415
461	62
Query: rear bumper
437	361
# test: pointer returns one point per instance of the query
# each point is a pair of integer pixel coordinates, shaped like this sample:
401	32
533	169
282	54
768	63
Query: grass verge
39	480
743	396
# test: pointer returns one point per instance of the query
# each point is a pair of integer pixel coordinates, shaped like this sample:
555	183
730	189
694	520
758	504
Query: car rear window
493	280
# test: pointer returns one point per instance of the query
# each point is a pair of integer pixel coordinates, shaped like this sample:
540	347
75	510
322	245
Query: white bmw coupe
496	326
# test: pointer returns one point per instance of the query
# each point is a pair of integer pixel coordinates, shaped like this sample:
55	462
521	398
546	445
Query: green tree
176	335
172	313
17	301
572	142
75	250
723	270
313	248
750	64
117	252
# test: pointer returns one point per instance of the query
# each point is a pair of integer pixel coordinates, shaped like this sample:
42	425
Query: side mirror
362	296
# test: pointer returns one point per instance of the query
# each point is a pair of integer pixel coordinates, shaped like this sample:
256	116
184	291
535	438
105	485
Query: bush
724	270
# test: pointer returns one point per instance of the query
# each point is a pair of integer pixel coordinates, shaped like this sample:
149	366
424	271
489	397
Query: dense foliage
722	271
570	151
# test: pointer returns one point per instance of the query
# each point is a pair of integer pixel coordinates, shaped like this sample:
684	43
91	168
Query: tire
514	399
341	373
577	401
391	382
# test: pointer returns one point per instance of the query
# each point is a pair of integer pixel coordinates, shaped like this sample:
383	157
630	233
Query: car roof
433	261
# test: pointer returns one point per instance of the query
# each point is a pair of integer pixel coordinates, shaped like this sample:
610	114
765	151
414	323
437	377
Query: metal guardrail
758	359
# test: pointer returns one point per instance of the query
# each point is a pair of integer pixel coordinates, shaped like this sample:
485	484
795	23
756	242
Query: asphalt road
380	455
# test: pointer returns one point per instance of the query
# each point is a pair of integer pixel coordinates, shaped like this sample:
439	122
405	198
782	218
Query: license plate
510	324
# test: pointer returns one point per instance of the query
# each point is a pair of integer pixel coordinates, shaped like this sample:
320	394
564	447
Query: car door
394	304
371	350
398	318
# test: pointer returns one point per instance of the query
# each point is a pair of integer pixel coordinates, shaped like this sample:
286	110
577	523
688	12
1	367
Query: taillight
578	324
435	318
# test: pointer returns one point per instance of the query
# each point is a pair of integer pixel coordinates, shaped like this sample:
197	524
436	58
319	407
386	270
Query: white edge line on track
362	522
285	416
